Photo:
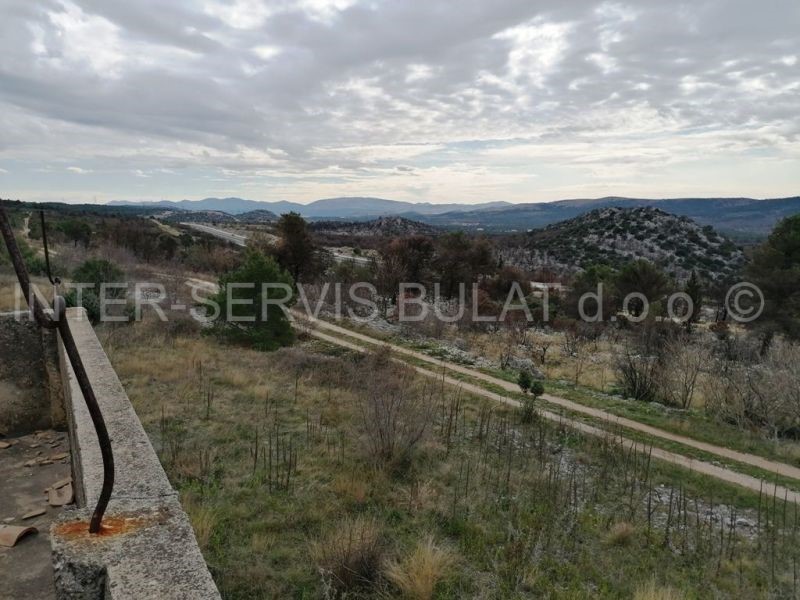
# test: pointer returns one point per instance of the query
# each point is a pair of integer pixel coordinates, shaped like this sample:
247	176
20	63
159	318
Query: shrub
682	362
98	271
621	534
394	413
349	556
254	321
95	272
88	300
418	574
527	410
524	381
638	375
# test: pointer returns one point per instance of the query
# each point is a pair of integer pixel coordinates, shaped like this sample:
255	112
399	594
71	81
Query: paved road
723	473
361	260
241	240
233	238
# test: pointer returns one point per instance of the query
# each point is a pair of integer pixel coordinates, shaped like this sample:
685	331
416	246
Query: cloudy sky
444	101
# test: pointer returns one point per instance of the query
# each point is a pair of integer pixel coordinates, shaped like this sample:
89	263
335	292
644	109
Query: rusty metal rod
22	273
60	323
53	281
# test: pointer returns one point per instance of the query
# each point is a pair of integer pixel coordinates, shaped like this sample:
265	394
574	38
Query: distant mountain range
741	217
331	208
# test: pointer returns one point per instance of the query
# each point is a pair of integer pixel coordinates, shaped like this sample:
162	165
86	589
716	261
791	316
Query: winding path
334	335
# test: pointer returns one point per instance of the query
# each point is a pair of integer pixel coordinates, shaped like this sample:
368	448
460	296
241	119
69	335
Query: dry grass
418	574
258	537
203	519
11	297
352	488
652	591
621	534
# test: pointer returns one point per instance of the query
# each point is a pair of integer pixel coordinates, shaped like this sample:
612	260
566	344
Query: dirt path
723	473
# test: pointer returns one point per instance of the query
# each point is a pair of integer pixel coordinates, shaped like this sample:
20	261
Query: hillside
199	216
746	218
257	216
383	227
615	236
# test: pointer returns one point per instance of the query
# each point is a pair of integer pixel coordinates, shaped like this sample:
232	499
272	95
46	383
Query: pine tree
694	290
524	381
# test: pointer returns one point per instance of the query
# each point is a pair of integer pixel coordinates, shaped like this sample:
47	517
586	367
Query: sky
440	101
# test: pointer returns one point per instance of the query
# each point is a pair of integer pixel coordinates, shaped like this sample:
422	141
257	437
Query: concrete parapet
147	548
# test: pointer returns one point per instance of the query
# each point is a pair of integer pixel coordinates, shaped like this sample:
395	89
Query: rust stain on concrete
112	526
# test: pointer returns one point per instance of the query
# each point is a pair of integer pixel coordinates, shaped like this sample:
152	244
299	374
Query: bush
36	265
268	327
350	556
394	413
88	300
95	272
527	410
764	395
621	534
524	381
528	404
98	271
638	375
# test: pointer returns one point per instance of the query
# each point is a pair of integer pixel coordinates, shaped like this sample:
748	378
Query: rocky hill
381	227
257	216
198	216
614	236
218	216
746	218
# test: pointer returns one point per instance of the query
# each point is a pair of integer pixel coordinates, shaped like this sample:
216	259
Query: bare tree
580	356
681	365
540	346
762	394
775	384
395	412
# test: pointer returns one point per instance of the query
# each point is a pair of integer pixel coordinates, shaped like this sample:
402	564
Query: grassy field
695	422
282	466
11	298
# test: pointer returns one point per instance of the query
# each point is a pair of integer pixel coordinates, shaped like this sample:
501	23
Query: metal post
60	323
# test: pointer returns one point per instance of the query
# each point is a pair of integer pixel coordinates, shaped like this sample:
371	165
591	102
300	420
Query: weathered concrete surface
148	551
139	474
24	403
26	469
156	555
31	396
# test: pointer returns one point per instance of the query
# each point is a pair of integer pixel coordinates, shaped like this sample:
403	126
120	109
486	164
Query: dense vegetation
615	236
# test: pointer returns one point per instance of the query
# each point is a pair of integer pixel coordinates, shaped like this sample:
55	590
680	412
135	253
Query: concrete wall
30	386
148	548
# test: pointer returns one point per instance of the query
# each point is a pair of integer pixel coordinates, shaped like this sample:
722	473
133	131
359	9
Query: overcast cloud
445	101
